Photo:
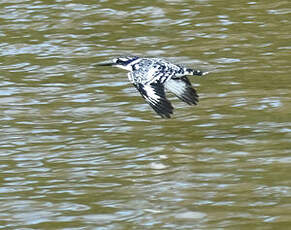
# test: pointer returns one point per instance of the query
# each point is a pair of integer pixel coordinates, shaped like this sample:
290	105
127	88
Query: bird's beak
105	64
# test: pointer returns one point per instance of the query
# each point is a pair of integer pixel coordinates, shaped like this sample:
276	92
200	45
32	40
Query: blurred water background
79	148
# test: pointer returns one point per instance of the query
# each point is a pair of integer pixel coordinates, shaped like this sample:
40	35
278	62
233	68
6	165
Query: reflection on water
79	147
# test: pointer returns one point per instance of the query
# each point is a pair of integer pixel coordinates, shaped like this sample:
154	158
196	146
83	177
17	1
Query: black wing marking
183	89
154	94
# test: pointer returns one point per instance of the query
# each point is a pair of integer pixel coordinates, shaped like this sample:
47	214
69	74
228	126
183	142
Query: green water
80	149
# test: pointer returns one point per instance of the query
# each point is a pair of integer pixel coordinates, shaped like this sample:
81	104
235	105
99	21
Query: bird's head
121	62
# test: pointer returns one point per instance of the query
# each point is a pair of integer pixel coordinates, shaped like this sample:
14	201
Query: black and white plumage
151	76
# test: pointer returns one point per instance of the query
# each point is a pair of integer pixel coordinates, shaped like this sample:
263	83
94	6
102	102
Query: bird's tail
195	72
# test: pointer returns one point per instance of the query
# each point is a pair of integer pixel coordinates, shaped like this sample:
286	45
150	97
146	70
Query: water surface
79	148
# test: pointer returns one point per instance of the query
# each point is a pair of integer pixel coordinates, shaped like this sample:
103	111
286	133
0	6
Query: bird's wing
183	89
154	94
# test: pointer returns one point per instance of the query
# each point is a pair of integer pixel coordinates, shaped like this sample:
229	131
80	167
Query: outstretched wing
183	89
154	94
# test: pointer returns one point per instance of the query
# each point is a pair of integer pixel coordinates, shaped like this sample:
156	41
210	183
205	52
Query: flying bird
151	76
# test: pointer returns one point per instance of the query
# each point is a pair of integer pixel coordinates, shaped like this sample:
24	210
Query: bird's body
151	76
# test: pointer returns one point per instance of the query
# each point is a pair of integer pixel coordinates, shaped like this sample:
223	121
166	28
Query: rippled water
79	148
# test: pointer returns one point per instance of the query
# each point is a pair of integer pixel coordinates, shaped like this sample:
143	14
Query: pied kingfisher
151	76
